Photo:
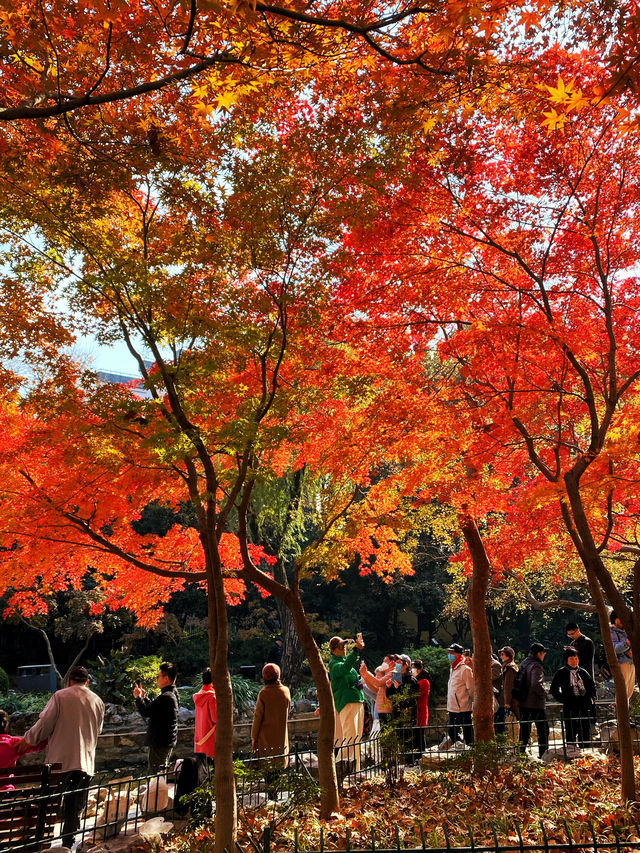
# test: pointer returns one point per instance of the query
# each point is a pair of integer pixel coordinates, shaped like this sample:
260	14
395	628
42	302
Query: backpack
520	685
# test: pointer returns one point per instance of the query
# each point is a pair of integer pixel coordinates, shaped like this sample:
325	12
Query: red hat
336	643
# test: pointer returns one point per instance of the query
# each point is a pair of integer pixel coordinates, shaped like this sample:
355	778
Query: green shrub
245	693
23	703
4	682
115	675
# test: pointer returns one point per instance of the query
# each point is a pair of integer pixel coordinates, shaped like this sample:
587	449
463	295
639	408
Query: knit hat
271	672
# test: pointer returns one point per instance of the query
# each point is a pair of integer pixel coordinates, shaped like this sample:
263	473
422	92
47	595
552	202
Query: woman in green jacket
348	697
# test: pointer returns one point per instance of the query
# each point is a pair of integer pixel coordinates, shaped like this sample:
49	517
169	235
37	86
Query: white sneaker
445	744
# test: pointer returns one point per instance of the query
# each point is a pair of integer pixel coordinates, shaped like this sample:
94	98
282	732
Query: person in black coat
574	688
162	718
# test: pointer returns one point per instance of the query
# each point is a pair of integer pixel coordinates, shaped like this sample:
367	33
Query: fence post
266	839
544	837
568	831
564	735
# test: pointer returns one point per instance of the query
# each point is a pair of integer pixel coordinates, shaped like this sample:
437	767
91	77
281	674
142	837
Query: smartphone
396	675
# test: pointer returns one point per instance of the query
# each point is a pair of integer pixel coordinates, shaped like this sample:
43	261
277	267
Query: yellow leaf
203	109
226	100
561	93
554	120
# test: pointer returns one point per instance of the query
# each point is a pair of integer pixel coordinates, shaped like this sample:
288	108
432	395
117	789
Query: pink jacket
9	753
205	704
383	703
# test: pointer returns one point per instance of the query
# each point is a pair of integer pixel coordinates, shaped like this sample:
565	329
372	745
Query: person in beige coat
269	735
71	720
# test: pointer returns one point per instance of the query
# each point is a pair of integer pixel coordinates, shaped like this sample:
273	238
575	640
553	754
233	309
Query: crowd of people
520	694
397	690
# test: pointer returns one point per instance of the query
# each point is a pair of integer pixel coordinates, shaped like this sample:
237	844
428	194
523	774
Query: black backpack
520	685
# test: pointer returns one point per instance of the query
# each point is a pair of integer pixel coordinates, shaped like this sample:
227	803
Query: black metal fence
619	839
124	805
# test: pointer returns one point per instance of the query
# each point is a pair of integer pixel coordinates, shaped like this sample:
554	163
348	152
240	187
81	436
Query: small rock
185	715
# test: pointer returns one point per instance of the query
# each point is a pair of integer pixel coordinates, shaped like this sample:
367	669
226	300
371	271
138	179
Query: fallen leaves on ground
435	807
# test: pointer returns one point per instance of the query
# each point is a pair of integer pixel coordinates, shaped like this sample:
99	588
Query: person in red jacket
11	747
420	675
204	738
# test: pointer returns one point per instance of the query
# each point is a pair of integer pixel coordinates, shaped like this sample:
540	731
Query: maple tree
217	266
62	58
509	240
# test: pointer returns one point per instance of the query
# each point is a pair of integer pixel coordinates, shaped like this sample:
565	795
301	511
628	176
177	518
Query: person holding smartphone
348	697
162	717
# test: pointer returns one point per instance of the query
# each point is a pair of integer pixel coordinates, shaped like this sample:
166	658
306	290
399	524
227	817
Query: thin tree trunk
476	604
224	780
292	652
329	797
627	773
79	655
600	581
47	642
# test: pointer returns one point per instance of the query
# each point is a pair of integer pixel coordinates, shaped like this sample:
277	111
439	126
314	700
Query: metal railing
618	839
118	806
123	805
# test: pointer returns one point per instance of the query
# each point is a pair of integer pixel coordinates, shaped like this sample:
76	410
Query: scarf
576	683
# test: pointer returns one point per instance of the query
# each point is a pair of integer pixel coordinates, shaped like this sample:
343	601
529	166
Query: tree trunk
600	580
329	797
224	780
292	652
628	782
47	642
476	604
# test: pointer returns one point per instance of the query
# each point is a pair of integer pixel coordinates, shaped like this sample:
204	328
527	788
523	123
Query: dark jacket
162	715
505	699
562	692
536	694
586	652
407	700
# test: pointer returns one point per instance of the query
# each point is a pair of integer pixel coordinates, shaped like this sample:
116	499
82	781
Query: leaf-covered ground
539	799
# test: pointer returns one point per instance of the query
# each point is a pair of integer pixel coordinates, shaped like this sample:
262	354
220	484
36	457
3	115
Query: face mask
451	657
414	671
383	667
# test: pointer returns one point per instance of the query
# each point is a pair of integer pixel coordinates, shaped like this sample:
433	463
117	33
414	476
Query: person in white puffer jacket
459	699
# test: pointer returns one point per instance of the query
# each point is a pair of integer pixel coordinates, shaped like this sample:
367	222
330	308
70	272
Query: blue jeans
460	720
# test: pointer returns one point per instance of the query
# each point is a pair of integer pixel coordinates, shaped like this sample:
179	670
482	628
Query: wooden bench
29	812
